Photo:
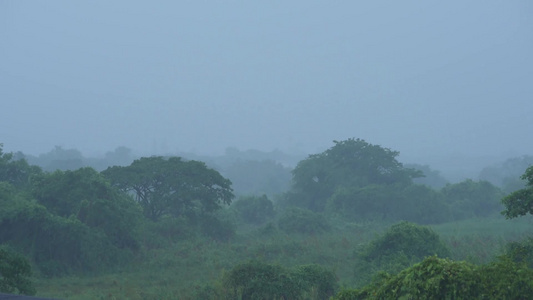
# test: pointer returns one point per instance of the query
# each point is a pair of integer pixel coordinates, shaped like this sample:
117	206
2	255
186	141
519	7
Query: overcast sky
421	77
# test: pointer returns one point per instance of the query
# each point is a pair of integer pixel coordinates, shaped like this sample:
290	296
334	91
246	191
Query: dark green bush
415	241
521	251
468	199
300	220
259	280
438	278
15	273
57	245
415	203
401	246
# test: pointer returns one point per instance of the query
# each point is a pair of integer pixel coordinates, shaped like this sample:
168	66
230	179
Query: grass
182	268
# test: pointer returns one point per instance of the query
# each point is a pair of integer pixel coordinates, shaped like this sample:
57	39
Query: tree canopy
349	163
172	186
520	203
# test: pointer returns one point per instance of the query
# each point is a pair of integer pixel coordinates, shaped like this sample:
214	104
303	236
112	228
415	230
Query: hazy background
438	81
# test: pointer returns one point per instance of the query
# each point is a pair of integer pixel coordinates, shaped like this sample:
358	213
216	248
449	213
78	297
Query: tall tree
349	163
172	186
520	203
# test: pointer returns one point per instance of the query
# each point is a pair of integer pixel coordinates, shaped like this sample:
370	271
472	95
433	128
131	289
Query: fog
436	81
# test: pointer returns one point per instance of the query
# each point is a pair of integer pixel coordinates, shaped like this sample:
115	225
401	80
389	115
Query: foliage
16	172
15	273
411	239
259	280
472	199
521	251
254	209
172	186
520	203
349	163
416	203
440	278
58	245
401	246
300	220
88	196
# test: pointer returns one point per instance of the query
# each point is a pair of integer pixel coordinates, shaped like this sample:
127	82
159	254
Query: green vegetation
166	228
15	273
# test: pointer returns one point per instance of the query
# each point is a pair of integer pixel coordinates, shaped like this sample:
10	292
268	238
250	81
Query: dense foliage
15	273
520	202
349	163
438	278
259	280
401	246
163	226
172	186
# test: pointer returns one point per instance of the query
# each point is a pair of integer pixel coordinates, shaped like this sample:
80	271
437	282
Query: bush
438	278
415	203
259	280
57	245
15	273
403	245
521	252
254	210
413	240
300	220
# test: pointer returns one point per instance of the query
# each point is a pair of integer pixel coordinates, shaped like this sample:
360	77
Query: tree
88	196
16	171
349	163
172	186
469	198
520	203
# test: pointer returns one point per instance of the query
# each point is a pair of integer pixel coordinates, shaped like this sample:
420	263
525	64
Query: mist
439	82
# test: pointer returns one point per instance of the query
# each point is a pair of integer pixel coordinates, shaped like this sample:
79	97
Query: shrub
259	280
300	220
15	273
403	245
439	278
521	251
254	210
413	240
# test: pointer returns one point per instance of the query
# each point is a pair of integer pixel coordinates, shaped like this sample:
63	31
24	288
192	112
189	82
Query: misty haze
204	150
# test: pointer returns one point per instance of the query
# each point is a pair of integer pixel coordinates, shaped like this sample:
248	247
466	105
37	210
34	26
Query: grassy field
181	269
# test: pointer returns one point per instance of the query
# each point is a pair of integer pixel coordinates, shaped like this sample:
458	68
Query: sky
426	78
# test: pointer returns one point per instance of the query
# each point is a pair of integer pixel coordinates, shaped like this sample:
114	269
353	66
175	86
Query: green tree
172	186
520	203
15	273
16	171
349	163
86	195
469	198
